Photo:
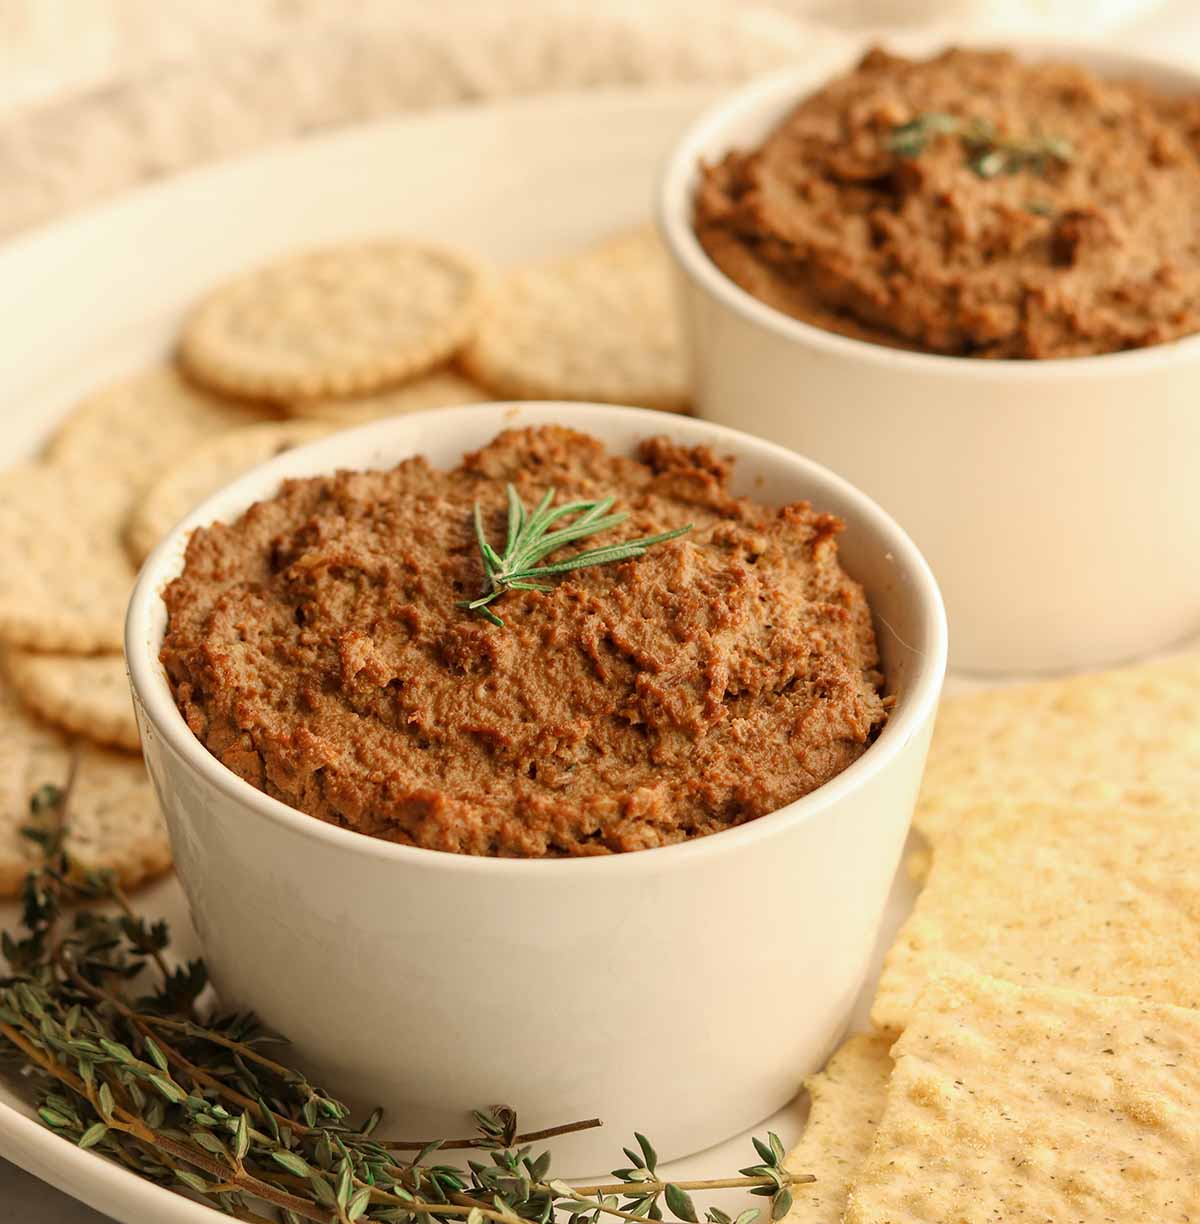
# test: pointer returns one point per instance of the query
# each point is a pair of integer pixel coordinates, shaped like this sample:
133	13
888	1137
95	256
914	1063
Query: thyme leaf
529	540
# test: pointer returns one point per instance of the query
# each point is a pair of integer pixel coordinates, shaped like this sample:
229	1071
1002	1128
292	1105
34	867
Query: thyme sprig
529	541
205	1103
988	153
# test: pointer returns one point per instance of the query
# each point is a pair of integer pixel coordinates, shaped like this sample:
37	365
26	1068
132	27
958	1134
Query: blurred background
97	95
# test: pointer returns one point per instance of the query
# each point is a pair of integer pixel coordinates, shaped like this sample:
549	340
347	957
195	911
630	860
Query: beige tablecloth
98	95
102	94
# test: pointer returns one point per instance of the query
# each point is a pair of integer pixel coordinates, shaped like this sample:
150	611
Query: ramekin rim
675	189
153	696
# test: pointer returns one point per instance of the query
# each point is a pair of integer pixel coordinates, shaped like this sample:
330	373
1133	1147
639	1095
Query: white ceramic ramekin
1058	501
683	991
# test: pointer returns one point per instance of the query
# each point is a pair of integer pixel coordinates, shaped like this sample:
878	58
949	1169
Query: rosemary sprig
912	138
192	1102
988	153
529	541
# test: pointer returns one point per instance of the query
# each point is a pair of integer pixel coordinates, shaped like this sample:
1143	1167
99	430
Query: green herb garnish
910	139
188	1099
988	153
529	540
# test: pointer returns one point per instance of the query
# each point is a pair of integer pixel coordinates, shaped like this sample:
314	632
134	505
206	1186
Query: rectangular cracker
846	1105
1101	737
1037	1106
1096	897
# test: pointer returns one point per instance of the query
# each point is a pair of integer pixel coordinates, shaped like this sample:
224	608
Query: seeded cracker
1037	1106
207	468
846	1105
442	389
1099	737
339	321
115	822
86	694
130	431
599	325
64	576
1103	898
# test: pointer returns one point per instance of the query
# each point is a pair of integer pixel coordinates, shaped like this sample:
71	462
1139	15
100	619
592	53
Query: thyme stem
714	1183
449	1145
191	1029
178	1060
122	902
122	1120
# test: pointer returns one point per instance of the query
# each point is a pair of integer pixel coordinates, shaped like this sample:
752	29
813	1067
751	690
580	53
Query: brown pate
827	222
315	648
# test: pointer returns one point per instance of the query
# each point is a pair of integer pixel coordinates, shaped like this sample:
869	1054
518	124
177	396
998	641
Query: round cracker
64	576
599	325
88	695
342	320
442	389
115	823
211	466
114	820
32	754
133	429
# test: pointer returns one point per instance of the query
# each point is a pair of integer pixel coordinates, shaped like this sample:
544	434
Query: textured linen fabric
143	88
97	96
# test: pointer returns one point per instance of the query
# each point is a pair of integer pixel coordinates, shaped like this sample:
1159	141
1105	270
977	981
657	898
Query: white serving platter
102	294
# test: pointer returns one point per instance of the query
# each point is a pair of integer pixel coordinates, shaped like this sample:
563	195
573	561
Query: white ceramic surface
1058	502
325	932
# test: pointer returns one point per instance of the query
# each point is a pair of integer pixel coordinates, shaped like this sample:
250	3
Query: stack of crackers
280	356
1038	1048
